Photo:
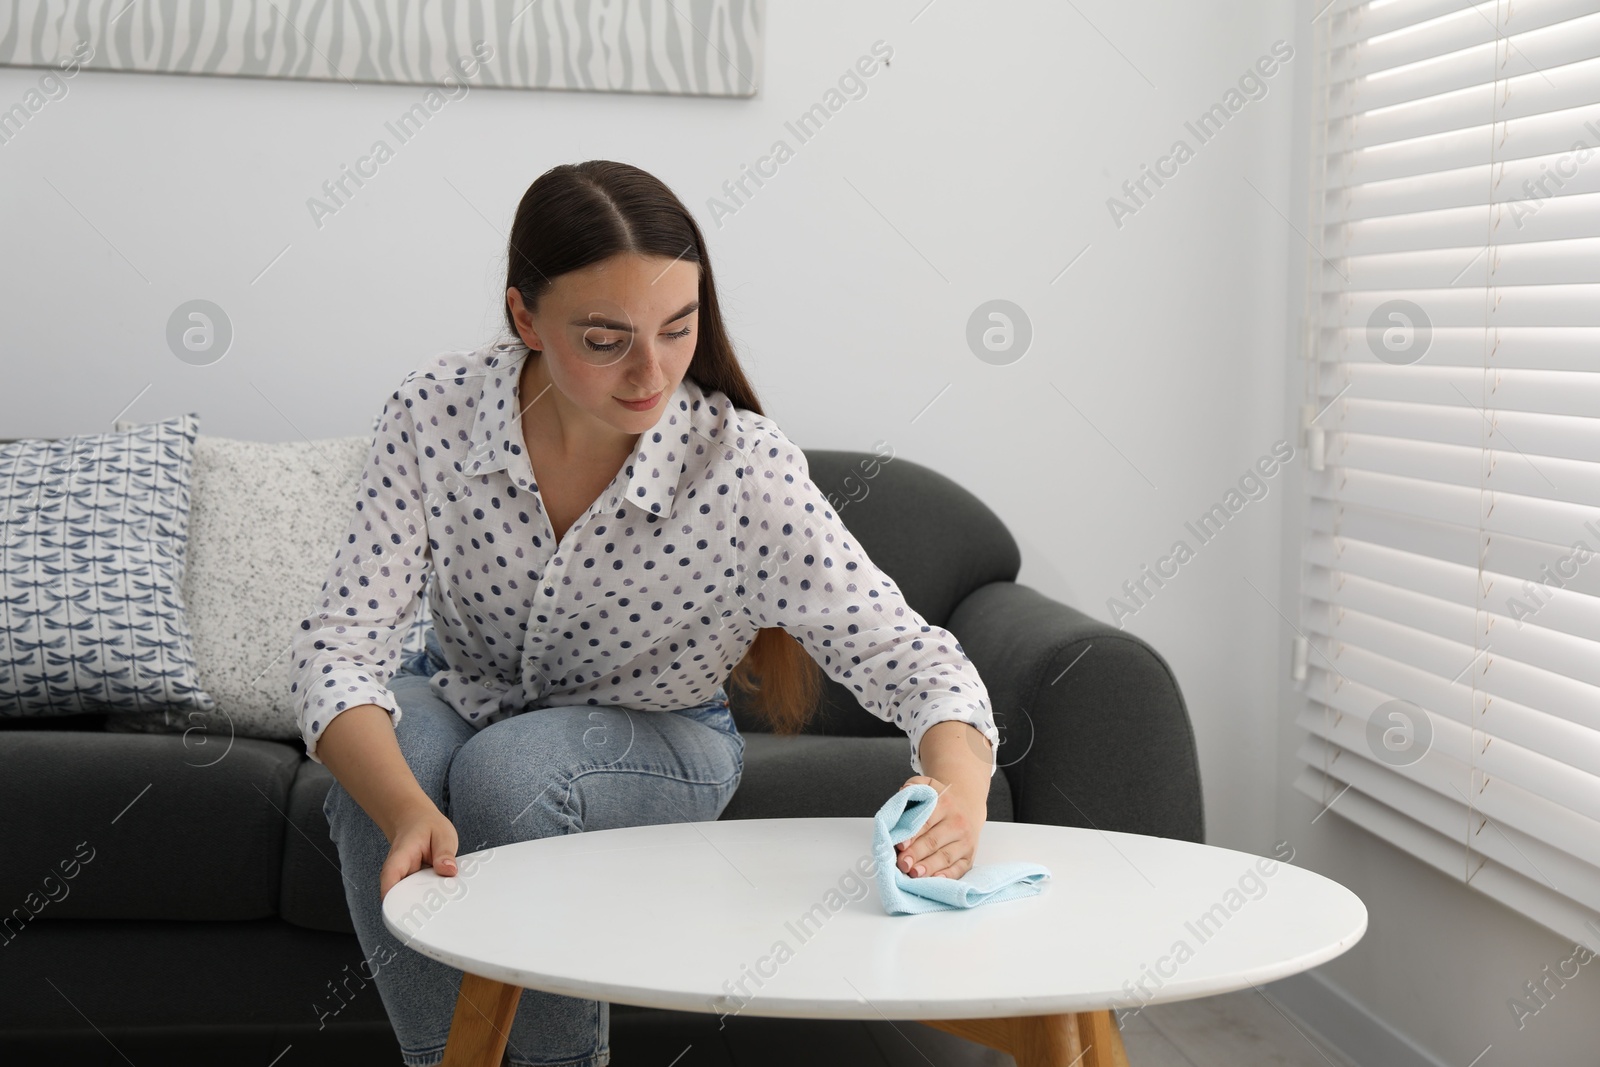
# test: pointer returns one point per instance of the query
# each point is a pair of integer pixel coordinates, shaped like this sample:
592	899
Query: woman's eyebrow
594	319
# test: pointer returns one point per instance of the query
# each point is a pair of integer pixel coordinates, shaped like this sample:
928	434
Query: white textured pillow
265	521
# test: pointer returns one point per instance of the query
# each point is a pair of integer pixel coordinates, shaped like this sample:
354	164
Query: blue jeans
542	773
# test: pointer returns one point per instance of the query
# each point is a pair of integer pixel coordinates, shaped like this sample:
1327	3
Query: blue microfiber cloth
901	817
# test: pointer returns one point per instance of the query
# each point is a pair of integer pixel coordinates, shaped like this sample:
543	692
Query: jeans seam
599	1055
431	1055
566	808
619	769
570	815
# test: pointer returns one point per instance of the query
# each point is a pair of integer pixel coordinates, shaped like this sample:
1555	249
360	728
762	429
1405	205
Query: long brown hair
576	214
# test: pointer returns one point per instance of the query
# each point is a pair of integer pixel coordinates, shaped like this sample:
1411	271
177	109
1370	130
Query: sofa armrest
1093	727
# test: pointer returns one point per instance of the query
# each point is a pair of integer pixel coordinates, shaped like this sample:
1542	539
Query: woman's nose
644	360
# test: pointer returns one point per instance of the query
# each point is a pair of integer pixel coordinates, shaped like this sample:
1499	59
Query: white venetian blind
1450	588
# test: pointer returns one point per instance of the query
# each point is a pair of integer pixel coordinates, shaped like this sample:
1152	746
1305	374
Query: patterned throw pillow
93	539
266	521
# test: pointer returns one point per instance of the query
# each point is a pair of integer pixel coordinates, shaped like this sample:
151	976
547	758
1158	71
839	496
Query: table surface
678	915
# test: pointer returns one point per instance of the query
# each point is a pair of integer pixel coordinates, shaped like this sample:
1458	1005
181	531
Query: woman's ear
524	320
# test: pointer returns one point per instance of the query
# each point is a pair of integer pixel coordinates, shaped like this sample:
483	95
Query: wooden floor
1235	1028
1232	1029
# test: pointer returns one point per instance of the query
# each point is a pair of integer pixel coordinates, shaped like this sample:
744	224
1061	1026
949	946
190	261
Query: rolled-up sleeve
345	652
798	568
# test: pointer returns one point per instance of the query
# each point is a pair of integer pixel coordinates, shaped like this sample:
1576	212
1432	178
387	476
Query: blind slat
1562	779
1380	651
1440	803
1555	45
1554	522
1534	93
1411	52
1558	348
1466	230
1563	480
1525	619
1563	579
1494	142
1523	895
1508	305
1423	411
1530	665
1357	20
1429	538
1510	182
1553	262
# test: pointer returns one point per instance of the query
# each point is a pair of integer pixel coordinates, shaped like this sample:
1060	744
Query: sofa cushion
265	523
186	993
797	776
313	890
94	533
133	826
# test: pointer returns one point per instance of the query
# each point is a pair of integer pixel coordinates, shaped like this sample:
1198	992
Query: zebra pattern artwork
681	47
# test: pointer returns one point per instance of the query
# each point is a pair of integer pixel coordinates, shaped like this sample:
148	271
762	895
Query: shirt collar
652	477
499	421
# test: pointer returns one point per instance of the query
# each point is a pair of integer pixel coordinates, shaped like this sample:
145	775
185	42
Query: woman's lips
640	405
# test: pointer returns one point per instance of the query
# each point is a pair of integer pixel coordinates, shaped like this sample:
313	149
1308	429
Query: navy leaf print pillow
94	532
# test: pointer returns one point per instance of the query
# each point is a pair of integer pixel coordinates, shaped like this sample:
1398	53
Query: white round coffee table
780	917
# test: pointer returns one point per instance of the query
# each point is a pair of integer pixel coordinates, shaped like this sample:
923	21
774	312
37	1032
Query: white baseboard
1347	1025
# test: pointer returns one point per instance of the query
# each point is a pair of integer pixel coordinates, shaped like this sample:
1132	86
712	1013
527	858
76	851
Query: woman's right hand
422	837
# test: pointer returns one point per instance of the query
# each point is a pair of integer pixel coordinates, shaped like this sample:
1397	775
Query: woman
613	530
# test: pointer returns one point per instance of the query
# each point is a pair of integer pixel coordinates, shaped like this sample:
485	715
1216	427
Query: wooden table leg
1102	1040
482	1021
1081	1039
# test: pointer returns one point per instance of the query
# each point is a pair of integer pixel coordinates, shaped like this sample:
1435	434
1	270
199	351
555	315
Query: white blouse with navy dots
711	530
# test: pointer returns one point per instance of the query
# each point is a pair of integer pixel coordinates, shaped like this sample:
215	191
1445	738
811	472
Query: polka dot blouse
711	530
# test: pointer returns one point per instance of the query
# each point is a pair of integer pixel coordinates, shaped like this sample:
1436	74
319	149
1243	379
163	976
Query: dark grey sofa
204	921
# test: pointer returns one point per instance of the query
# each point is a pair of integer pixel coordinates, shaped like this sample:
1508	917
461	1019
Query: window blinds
1450	583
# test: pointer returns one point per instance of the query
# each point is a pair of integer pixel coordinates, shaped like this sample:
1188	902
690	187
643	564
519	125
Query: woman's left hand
947	841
